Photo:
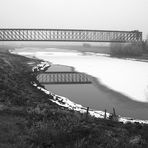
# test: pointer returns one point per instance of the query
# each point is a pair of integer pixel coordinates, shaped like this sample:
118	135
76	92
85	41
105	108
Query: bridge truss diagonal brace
69	35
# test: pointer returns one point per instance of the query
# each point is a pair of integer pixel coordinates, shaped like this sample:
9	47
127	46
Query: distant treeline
129	49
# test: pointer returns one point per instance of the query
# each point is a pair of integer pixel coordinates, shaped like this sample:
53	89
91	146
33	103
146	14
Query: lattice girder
69	35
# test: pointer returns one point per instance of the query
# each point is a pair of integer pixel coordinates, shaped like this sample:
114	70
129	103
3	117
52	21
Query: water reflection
62	75
63	78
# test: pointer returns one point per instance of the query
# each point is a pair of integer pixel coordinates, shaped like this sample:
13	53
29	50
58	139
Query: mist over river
127	78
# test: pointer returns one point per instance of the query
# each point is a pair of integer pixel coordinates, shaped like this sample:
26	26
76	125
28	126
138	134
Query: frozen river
128	77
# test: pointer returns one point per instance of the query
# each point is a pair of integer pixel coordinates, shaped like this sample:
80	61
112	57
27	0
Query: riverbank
29	117
130	82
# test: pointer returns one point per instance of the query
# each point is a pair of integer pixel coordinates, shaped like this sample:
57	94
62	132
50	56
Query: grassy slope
29	119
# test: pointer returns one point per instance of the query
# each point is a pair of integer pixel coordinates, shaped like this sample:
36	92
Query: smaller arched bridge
69	35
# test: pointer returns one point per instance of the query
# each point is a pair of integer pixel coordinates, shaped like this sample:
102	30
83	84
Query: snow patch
41	66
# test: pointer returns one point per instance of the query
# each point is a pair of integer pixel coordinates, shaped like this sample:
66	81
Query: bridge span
69	35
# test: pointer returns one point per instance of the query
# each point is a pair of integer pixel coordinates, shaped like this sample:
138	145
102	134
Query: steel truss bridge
69	35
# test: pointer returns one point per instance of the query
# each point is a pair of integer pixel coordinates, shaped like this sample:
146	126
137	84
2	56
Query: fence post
114	113
105	114
87	113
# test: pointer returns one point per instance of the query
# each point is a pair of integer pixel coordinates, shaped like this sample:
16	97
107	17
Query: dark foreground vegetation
28	118
134	50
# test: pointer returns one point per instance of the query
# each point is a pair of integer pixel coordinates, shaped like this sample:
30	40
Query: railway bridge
69	35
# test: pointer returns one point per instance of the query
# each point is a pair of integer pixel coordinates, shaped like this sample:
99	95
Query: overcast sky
75	14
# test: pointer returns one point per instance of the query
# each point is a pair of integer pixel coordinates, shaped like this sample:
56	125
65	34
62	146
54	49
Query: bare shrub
145	45
126	49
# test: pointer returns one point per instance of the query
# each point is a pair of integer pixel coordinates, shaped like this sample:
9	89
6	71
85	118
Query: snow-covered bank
65	102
